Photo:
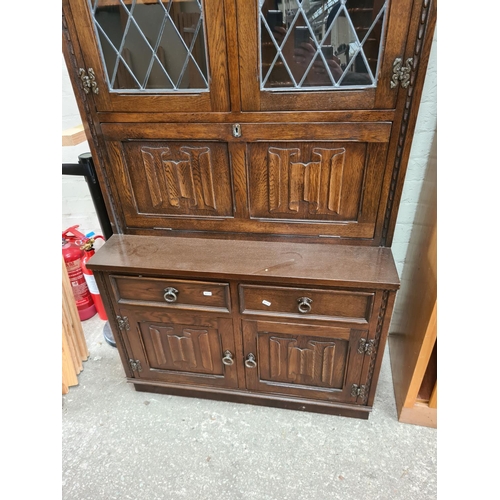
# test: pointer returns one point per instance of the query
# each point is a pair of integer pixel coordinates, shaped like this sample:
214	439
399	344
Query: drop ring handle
250	361
170	295
228	358
304	304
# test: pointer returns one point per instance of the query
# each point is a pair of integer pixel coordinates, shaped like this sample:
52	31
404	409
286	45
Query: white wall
425	131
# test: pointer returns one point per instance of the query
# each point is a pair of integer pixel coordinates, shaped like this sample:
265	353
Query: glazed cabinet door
152	55
190	348
321	54
310	361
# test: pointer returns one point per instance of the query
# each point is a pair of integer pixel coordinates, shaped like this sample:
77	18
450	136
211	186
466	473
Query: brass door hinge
366	347
123	323
401	73
88	81
135	365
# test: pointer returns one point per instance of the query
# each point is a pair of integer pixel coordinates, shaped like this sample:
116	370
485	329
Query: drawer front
182	294
332	305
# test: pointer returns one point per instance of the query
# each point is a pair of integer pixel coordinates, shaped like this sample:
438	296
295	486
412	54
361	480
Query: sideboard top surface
278	262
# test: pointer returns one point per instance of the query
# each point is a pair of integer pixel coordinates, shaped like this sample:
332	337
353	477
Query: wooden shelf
73	136
413	337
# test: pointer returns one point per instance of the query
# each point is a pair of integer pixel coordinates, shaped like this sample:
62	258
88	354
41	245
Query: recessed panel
306	181
179	178
303	360
183	348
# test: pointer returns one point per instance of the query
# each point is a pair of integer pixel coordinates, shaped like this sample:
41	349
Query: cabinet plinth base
234	396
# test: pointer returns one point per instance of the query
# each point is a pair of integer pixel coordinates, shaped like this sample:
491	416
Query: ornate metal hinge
135	365
401	73
358	391
123	323
88	81
366	346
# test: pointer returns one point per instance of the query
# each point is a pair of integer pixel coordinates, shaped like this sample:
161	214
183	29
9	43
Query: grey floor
121	444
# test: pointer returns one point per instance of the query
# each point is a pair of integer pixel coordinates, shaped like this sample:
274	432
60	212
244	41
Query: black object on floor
108	335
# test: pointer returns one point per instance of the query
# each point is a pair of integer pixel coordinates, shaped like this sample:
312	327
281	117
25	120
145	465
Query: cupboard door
318	54
153	55
181	348
317	362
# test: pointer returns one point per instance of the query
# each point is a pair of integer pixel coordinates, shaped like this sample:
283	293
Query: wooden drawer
199	295
336	305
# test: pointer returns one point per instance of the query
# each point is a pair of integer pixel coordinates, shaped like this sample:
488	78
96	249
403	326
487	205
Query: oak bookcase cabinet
252	156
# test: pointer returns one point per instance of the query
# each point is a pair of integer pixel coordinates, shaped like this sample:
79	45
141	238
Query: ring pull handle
228	358
250	361
170	295
304	304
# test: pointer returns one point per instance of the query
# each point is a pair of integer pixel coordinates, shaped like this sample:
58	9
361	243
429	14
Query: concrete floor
121	444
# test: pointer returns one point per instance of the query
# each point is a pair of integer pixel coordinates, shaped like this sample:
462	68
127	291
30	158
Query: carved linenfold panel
291	181
307	181
181	348
201	171
305	361
300	363
190	177
157	345
328	364
278	165
152	165
178	178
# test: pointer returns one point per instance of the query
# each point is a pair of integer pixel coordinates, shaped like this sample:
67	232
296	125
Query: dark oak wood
271	262
272	400
196	295
215	99
354	307
254	99
247	202
317	362
180	348
313	355
321	116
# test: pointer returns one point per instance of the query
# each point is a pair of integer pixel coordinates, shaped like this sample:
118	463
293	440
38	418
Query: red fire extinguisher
73	255
88	252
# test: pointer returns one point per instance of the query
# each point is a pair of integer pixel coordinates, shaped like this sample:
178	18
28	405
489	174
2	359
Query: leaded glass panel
152	45
320	44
